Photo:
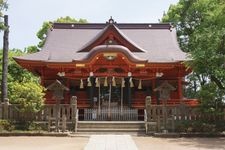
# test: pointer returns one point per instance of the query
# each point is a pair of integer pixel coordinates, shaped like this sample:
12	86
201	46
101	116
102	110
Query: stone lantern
57	89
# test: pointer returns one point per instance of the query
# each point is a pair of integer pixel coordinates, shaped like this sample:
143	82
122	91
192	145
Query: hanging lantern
131	83
122	82
105	82
81	84
97	83
113	81
140	85
89	82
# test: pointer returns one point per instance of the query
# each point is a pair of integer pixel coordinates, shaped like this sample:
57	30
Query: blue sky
27	16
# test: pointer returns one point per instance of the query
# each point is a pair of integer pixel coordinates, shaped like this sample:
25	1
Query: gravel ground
43	143
78	143
148	143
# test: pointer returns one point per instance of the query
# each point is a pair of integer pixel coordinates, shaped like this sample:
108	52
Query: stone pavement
110	142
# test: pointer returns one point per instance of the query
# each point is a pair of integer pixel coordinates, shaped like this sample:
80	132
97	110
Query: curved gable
111	35
112	48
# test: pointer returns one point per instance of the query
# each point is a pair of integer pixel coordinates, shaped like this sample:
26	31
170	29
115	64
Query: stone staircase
111	127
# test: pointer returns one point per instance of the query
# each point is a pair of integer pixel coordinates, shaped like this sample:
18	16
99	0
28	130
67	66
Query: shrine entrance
110	73
110	96
110	93
110	102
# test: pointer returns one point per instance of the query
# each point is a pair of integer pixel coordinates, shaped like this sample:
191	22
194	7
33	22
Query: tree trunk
5	59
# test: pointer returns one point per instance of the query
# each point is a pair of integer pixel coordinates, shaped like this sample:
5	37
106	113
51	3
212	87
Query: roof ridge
119	25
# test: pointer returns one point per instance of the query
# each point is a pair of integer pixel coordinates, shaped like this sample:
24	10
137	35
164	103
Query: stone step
88	133
111	126
110	130
111	122
100	124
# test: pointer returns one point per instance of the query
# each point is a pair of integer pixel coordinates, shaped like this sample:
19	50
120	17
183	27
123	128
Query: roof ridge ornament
111	21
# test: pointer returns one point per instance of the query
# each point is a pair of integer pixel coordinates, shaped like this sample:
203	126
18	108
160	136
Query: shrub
182	126
5	125
29	126
29	96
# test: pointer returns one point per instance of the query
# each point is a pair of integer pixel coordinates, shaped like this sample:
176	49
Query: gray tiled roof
62	44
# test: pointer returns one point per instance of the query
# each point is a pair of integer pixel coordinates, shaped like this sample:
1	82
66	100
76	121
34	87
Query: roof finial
111	21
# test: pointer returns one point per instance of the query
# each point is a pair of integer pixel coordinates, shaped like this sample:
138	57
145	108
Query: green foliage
29	95
31	49
183	126
29	126
5	125
3	6
68	19
15	72
42	33
188	15
201	32
192	87
34	127
23	86
211	100
197	126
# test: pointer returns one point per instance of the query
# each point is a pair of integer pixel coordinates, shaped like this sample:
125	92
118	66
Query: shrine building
111	64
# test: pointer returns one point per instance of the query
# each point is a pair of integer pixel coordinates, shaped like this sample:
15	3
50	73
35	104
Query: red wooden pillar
153	87
42	77
67	100
180	94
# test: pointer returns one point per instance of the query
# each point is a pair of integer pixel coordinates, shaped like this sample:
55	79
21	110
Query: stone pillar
73	103
150	124
6	109
148	106
64	123
57	114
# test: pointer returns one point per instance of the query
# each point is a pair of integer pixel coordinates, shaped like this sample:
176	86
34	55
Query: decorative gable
111	35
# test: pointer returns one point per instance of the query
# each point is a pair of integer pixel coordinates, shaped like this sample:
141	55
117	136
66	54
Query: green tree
211	100
4	26
42	33
4	83
201	32
200	25
3	6
31	49
23	86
